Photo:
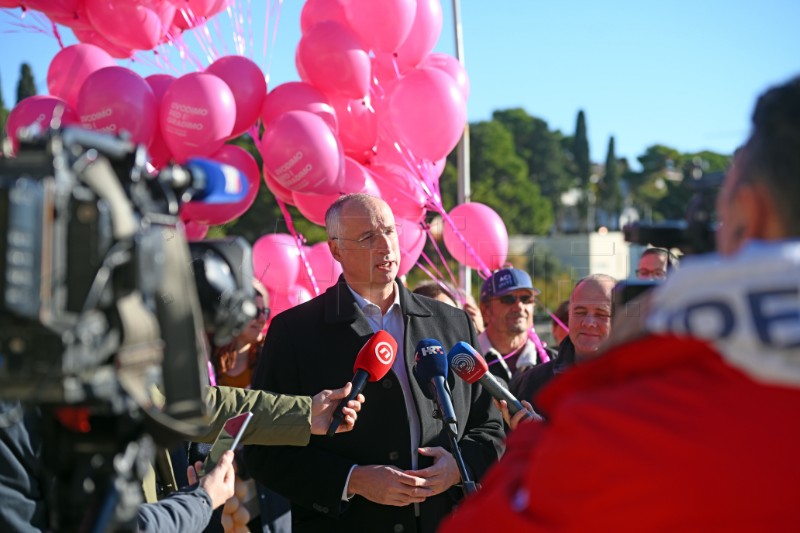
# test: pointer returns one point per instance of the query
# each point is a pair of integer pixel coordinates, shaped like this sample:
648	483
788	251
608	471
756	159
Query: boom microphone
430	371
373	361
470	366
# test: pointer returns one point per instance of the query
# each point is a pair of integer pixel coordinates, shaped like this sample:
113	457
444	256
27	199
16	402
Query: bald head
590	314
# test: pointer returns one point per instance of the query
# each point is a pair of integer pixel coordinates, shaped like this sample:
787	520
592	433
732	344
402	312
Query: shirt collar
363	302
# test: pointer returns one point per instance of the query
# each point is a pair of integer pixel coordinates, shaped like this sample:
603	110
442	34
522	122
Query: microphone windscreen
215	182
467	363
376	357
430	361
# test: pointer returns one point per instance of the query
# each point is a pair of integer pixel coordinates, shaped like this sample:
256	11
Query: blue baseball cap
506	280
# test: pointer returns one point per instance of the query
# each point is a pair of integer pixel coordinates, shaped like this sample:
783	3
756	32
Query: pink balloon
247	83
400	190
412	240
278	191
420	95
381	25
194	230
483	229
51	8
325	268
159	151
358	179
316	11
314	206
275	260
385	69
423	36
137	24
297	96
89	36
450	65
302	153
334	61
197	115
11	3
116	100
71	66
280	301
216	214
358	127
37	110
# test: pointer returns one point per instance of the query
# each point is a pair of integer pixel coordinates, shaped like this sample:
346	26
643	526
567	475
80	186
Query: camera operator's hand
324	404
219	483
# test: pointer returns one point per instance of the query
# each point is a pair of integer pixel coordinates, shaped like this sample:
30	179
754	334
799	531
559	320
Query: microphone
430	371
498	359
373	361
470	366
208	181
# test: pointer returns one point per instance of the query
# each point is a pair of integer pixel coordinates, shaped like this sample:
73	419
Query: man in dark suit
394	472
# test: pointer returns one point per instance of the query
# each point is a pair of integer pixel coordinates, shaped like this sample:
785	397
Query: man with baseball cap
507	307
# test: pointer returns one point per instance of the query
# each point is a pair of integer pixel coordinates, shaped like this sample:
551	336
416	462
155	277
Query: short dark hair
772	153
562	312
432	289
672	260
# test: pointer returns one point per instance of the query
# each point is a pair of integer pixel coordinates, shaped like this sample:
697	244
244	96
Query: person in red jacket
691	423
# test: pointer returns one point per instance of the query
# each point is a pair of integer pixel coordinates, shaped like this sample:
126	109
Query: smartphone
228	439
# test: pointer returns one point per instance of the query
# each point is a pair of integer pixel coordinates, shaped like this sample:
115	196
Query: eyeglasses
511	299
643	273
263	311
373	238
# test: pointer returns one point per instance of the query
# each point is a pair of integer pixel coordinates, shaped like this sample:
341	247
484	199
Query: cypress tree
612	196
26	86
3	115
580	152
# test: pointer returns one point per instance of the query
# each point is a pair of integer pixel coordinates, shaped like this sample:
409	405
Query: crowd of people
676	417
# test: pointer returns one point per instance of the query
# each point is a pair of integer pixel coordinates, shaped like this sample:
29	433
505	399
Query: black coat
312	347
526	385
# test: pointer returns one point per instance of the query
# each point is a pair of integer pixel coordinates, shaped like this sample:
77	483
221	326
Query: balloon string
249	26
266	36
299	240
274	36
57	35
552	315
438	251
543	355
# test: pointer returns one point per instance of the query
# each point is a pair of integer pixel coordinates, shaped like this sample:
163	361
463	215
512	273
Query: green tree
4	111
26	86
540	148
500	180
609	190
583	165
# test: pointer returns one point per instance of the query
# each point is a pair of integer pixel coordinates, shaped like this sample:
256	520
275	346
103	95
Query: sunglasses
511	299
262	311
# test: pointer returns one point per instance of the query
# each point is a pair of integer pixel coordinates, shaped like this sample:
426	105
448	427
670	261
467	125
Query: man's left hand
443	474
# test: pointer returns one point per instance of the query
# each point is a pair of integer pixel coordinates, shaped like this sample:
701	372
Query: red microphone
373	361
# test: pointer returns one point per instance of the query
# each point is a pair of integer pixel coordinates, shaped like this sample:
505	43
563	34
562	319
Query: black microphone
470	366
372	363
430	371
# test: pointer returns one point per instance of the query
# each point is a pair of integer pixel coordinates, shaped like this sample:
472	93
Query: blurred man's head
655	263
590	314
507	303
759	196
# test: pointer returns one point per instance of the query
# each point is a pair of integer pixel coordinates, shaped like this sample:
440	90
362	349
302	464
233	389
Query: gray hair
334	212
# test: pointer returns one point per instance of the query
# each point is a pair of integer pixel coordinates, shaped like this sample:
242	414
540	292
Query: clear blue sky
683	73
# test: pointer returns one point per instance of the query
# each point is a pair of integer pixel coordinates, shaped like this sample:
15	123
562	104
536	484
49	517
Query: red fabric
659	435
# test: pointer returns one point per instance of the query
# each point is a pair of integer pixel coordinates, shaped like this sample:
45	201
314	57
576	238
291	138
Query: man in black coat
394	472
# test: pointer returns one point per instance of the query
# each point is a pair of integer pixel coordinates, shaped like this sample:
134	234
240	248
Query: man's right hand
323	405
387	485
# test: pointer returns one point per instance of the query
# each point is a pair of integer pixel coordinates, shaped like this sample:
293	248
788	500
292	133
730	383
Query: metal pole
464	192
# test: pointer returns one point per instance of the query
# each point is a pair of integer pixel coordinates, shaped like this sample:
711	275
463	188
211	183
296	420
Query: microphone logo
463	363
384	352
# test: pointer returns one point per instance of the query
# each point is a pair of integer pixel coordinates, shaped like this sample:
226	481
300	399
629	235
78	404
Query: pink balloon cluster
177	118
121	27
375	112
